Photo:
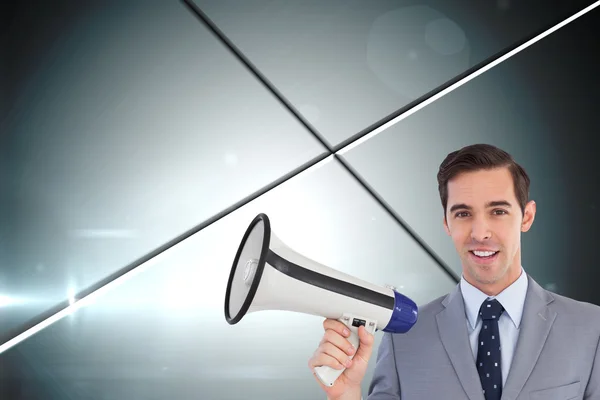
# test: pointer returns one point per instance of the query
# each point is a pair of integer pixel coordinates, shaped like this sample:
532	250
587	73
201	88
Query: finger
365	348
337	353
365	336
323	359
340	342
336	326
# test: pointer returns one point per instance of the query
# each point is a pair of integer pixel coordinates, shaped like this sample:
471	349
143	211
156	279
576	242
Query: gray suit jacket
556	356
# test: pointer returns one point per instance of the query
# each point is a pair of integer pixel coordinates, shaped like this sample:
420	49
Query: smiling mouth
484	257
484	254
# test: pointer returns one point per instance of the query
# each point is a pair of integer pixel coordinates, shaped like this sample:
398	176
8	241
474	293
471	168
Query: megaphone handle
328	375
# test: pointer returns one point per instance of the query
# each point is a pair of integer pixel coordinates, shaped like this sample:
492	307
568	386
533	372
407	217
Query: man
498	334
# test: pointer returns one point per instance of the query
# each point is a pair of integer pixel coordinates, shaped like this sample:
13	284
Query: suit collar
538	319
454	337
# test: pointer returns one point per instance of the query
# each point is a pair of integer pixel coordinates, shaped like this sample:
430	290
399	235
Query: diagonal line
394	118
396	217
88	295
455	83
255	71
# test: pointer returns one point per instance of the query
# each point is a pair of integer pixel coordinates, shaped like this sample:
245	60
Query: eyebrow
497	203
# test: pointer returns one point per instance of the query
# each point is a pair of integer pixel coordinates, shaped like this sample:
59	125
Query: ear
530	209
446	228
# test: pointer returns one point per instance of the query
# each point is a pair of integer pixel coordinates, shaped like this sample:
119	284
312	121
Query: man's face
485	222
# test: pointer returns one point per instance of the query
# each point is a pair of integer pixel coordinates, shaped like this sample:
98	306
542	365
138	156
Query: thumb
365	348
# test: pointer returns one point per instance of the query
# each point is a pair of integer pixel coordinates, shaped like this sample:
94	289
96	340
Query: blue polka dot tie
488	354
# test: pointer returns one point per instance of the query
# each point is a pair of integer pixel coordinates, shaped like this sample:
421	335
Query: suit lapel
451	322
535	326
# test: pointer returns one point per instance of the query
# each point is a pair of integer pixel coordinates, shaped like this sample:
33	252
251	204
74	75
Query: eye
461	214
500	212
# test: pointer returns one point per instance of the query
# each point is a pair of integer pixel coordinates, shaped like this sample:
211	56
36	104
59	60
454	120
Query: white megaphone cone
268	275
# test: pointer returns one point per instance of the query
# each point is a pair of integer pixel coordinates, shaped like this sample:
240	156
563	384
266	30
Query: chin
486	280
486	274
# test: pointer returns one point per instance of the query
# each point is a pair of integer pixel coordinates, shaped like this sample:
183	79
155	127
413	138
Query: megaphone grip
328	375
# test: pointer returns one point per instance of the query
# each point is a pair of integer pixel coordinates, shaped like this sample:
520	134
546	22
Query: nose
480	230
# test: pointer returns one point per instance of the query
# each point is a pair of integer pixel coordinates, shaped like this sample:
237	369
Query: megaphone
268	275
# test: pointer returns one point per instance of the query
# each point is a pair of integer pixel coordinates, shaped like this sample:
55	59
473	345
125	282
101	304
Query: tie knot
491	309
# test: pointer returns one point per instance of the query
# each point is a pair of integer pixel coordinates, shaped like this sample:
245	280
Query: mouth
483	257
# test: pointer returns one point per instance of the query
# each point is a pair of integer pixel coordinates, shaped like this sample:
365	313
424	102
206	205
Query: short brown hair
477	157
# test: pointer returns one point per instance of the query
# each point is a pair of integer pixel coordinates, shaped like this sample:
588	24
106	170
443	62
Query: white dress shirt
512	299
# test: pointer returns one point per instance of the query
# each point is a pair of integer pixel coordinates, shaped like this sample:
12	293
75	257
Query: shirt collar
512	299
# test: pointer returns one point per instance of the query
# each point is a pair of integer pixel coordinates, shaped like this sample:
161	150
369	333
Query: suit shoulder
575	308
574	304
422	332
425	318
433	307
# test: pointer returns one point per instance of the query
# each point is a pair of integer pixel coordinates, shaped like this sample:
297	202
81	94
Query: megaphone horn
268	275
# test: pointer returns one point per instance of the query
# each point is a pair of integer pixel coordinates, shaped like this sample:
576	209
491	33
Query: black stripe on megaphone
328	283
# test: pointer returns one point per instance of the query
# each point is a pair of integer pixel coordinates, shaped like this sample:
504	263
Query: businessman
498	334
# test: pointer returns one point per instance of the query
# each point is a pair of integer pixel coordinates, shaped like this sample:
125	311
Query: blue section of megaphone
404	316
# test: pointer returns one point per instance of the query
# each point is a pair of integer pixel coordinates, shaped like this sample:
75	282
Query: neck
495	288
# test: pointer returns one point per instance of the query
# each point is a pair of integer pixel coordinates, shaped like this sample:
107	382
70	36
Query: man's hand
334	351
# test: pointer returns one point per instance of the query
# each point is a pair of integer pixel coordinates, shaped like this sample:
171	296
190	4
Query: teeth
484	253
